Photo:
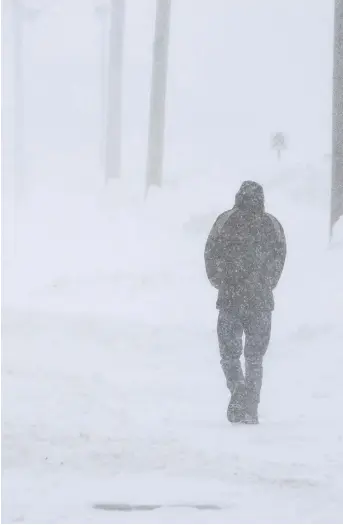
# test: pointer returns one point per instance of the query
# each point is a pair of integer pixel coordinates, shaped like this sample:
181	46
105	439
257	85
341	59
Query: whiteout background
112	389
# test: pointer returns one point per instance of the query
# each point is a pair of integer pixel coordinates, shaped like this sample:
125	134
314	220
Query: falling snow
113	393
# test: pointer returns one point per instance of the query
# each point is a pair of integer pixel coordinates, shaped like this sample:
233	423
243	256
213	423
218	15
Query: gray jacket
245	252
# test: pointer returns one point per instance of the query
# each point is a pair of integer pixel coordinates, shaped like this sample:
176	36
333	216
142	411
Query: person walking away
244	258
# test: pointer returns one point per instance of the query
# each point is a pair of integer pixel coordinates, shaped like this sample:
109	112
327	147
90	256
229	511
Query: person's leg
230	333
257	328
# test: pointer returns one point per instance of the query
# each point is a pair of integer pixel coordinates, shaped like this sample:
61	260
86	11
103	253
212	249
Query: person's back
244	258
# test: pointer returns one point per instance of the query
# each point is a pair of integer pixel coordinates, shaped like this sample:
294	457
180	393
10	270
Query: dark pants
256	327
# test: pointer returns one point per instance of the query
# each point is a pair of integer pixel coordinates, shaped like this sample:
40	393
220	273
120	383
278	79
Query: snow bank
147	255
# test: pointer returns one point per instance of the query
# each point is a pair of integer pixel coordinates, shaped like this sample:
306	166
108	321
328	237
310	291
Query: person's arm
279	252
214	255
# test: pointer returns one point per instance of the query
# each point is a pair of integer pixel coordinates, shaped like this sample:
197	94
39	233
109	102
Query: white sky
239	70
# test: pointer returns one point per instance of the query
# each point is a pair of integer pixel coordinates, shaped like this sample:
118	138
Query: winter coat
245	253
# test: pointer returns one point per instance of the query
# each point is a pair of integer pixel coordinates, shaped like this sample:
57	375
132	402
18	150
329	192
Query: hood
250	197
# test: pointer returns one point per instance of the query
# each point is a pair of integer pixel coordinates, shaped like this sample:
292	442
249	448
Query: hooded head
250	197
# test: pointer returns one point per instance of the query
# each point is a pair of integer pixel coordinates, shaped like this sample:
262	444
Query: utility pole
337	120
158	95
18	90
102	11
20	14
114	95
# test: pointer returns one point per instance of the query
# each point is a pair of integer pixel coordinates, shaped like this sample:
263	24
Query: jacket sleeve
214	253
278	252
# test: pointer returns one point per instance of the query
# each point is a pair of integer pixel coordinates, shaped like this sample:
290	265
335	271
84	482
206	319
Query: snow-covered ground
112	388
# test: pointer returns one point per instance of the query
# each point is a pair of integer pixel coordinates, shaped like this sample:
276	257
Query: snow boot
250	420
236	409
251	415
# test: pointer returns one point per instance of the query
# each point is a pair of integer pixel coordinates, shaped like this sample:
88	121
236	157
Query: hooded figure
244	258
